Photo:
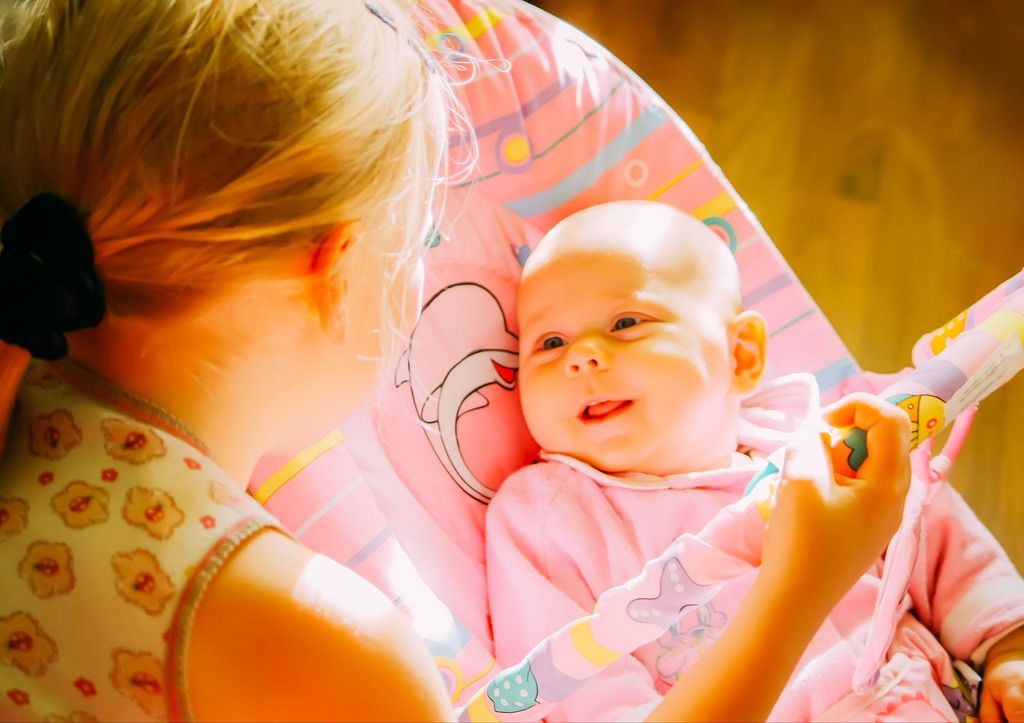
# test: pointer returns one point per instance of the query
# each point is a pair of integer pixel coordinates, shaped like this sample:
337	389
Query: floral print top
105	524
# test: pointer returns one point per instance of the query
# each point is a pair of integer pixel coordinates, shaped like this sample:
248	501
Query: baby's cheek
543	414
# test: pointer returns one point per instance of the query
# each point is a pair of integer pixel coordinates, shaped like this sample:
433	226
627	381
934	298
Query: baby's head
634	348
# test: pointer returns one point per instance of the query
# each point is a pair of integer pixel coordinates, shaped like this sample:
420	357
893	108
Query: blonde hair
209	142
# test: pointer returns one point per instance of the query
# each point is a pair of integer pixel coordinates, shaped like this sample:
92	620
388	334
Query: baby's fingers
865	411
988	711
888	433
1012	703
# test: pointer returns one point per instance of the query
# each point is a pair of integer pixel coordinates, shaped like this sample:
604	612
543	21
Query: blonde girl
211	214
213	209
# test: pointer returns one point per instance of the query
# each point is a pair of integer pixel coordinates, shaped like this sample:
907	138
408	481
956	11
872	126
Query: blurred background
881	144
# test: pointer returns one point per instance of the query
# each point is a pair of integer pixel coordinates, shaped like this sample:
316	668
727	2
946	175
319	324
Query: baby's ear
748	337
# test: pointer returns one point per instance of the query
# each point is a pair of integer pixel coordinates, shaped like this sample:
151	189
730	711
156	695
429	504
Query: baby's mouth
604	409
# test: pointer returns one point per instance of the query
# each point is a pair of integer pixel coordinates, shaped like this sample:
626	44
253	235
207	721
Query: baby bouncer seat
400	494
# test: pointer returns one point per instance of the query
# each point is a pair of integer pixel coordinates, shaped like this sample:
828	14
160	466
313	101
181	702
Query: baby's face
625	341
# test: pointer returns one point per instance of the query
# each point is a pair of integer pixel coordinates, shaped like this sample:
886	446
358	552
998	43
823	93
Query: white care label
1001	366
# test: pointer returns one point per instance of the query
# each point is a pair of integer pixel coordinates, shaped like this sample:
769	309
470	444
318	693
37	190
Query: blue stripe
835	373
768	288
790	323
369	548
586	175
455	639
769	469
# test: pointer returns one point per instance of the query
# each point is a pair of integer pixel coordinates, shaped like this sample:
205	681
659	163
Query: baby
637	365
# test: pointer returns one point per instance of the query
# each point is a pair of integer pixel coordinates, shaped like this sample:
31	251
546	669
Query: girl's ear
328	285
749	338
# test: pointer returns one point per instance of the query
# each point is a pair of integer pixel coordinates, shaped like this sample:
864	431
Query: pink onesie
559	533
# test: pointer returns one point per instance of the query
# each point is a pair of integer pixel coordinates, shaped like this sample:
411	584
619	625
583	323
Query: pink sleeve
964	586
536	587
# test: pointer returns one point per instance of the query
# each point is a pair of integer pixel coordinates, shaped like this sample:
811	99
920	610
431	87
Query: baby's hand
829	528
1002	690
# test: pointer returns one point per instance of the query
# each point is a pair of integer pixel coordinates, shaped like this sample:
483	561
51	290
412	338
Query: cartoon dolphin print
446	366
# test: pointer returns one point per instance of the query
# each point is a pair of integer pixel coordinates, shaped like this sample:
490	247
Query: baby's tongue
602	408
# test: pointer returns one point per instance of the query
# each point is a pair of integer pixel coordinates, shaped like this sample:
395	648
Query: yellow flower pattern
53	435
105	523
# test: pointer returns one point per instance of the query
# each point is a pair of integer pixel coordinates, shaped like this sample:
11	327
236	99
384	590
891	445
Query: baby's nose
577	367
588	359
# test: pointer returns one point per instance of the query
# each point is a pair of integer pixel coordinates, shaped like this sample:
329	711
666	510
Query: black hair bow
48	281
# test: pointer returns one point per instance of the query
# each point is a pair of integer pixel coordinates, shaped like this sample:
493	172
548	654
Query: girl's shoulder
286	634
113	527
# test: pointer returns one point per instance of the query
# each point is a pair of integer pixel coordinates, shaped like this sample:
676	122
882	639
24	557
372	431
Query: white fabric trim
641	712
961	617
981	652
741	463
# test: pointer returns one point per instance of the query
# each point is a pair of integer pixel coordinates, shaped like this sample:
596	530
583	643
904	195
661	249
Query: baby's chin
610	458
629	458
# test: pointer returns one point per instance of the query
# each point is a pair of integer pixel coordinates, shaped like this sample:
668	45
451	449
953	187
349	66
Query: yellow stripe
478	712
474	679
593	651
295	465
456	671
471	29
764	495
1003	323
689	169
717	206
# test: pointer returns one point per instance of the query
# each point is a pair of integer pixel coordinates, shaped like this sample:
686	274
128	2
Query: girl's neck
176	381
130	403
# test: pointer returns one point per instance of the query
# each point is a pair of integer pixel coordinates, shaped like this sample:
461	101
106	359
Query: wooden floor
881	145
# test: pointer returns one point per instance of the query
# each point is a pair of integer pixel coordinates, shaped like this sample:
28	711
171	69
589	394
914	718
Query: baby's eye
552	342
625	322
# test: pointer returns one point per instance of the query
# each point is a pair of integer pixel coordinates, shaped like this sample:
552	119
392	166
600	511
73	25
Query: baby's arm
967	590
1002	691
828	531
535	587
964	586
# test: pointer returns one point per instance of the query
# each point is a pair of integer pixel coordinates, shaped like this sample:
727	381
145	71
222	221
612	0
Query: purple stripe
835	373
939	375
369	548
545	96
515	118
768	288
